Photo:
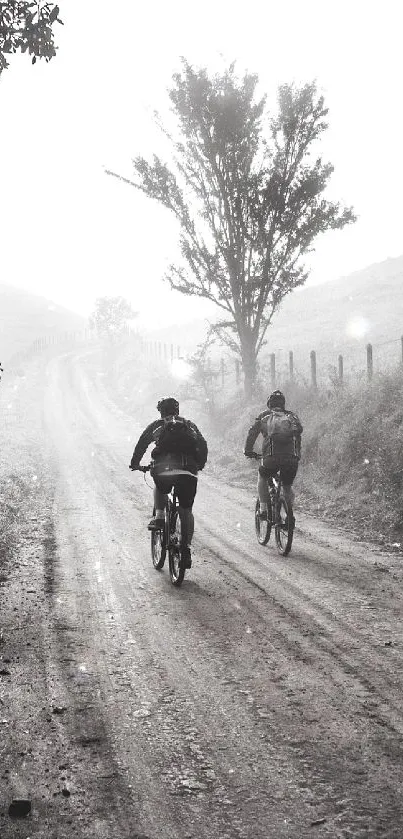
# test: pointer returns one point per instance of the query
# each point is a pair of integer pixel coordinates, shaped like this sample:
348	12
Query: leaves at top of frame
27	27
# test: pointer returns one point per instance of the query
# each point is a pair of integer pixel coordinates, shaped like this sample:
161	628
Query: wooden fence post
341	369
222	373
237	371
313	369
172	353
178	352
273	369
370	362
291	365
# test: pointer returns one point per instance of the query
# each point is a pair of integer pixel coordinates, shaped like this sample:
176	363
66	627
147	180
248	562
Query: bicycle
280	515
168	539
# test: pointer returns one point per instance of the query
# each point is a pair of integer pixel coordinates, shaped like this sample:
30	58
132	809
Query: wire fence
60	342
310	368
313	368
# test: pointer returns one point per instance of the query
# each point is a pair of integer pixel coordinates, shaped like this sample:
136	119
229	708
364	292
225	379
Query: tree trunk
248	353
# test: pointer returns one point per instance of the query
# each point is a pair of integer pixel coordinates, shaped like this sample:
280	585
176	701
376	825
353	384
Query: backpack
281	434
176	436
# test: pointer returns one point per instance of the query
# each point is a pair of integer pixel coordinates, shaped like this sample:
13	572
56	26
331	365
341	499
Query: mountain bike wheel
263	528
284	526
176	564
158	547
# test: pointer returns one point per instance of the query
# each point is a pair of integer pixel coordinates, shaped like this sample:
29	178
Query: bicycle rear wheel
158	547
284	526
263	528
176	563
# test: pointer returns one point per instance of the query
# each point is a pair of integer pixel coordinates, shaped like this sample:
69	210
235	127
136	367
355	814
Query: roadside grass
20	464
13	494
352	467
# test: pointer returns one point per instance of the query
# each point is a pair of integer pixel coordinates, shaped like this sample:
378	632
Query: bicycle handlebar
141	468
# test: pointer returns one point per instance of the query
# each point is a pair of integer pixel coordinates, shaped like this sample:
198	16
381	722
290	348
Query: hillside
25	317
335	317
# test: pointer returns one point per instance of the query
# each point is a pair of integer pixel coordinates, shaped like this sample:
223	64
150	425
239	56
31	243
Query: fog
71	233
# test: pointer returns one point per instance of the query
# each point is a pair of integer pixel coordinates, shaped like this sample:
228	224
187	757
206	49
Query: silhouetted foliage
111	316
27	27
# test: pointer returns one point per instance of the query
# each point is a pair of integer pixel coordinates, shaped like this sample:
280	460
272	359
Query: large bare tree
248	195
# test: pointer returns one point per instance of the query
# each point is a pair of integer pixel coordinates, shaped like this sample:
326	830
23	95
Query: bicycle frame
280	516
168	538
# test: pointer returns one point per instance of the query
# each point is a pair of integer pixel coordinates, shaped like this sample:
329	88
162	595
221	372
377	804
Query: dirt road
262	699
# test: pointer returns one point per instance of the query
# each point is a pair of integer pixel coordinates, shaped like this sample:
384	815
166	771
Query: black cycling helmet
168	406
276	400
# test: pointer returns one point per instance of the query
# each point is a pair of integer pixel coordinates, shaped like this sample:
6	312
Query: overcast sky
72	233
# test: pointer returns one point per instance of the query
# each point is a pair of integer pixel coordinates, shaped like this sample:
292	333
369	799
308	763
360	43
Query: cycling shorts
185	487
287	468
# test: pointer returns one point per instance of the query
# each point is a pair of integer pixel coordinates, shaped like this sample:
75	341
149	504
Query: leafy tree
27	27
110	317
248	196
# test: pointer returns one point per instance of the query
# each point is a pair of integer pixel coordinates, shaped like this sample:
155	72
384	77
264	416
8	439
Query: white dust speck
82	668
238	524
34	477
92	454
248	630
366	461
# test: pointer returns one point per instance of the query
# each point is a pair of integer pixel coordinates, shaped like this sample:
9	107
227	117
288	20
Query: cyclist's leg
263	492
161	488
160	500
288	473
186	486
265	472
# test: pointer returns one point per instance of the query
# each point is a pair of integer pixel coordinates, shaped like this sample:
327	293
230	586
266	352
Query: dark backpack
176	436
281	434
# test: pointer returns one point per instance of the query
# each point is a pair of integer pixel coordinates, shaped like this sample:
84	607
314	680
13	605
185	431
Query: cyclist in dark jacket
173	468
281	451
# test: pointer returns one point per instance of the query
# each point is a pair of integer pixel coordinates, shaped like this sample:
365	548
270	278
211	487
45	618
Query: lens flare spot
181	369
357	327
